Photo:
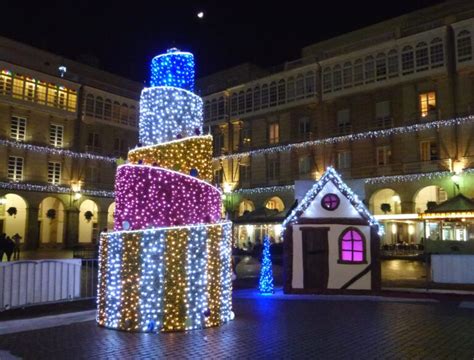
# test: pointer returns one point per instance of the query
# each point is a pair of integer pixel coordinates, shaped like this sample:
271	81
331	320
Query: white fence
454	269
38	281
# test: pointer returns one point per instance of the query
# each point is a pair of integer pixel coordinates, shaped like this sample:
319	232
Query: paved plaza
276	328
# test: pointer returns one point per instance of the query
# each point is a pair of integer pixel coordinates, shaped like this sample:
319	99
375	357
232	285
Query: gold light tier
181	155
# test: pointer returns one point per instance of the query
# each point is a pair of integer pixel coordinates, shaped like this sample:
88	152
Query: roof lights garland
55	151
334	177
413	177
264	190
352	137
53	189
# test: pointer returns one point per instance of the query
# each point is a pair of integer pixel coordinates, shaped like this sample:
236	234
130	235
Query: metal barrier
34	282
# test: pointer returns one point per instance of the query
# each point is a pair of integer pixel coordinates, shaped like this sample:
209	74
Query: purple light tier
150	197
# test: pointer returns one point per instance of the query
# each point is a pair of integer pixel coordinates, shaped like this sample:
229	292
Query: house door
315	258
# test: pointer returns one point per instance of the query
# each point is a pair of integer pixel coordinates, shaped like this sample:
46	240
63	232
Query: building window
408	60
327	80
124	114
248	100
392	61
427	104
436	53
120	147
290	89
15	168
304	129
422	59
93	141
108	109
56	135
218	142
304	165
5	82
218	176
464	46
337	77
273	169
245	135
343	121
273	94
214	109
352	247
116	112
383	155
369	69
273	133
207	111
132	116
99	107
54	172
233	104
344	160
241	103
310	86
382	115
358	72
381	67
281	92
92	174
299	86
244	170
347	75
18	128
256	98
264	96
330	202
221	107
428	150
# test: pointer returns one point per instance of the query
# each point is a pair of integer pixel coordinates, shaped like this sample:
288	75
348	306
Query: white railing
24	283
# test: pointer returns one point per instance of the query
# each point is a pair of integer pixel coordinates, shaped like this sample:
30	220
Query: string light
53	189
55	151
185	155
331	176
167	267
353	137
148	196
263	190
174	68
414	177
168	112
265	283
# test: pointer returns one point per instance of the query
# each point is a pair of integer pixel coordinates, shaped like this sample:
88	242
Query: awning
458	207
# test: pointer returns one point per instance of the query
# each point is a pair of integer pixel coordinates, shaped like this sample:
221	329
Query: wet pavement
276	328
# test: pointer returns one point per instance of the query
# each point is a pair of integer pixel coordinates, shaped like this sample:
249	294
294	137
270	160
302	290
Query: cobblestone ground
275	329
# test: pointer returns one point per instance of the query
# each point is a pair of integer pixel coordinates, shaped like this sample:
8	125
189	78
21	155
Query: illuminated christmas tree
167	264
265	284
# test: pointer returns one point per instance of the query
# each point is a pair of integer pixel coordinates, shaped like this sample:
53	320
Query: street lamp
76	189
3	200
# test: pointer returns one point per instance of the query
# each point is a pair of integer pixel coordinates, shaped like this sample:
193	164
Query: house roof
264	216
331	176
459	203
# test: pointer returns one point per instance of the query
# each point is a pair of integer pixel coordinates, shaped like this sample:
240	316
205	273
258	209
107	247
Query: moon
200	14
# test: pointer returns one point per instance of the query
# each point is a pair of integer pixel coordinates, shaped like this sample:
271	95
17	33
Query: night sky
122	39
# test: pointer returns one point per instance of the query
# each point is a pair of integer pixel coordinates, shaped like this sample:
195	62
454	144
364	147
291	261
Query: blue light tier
174	68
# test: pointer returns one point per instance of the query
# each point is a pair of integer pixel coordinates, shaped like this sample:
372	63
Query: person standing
16	251
3	241
9	247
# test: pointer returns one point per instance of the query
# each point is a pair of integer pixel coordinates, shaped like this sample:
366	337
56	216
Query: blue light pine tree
265	284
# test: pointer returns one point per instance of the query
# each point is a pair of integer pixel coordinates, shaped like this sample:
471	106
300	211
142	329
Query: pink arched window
352	246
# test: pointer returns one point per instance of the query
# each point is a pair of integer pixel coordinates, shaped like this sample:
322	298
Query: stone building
63	124
390	106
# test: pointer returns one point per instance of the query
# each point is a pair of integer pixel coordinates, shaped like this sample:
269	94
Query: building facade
62	127
390	105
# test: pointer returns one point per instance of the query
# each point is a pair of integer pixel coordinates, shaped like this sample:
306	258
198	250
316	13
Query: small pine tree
265	284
